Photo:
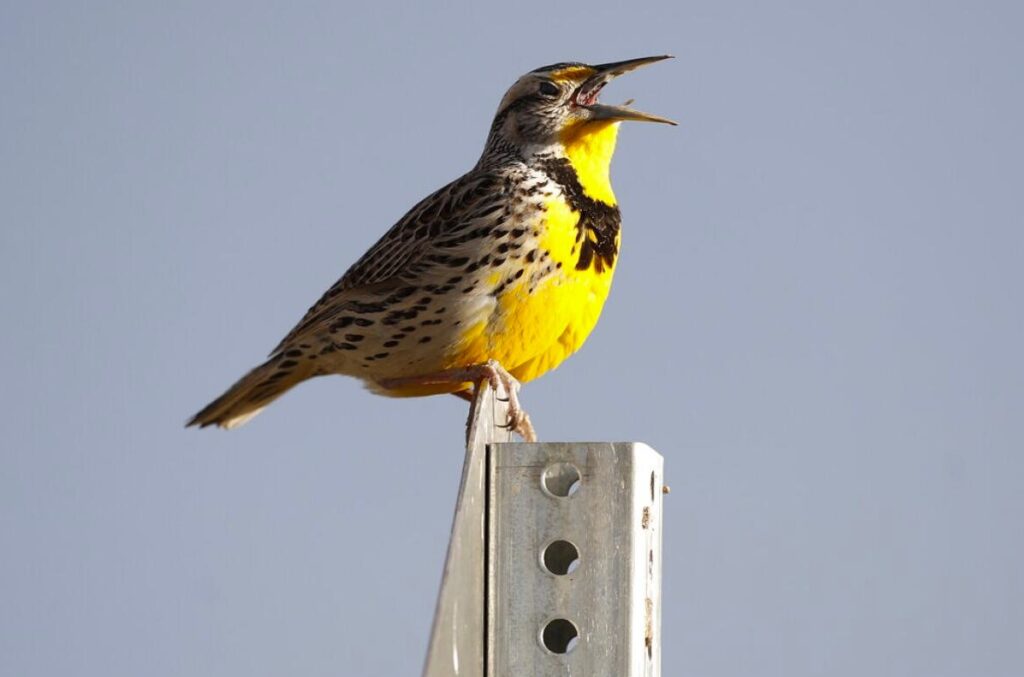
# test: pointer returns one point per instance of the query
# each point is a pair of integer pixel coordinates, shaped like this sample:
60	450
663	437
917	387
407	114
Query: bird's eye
549	89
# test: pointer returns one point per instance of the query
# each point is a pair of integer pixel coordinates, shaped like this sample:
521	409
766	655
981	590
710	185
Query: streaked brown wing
420	241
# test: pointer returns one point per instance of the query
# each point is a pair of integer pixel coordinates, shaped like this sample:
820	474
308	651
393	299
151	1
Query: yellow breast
530	331
552	323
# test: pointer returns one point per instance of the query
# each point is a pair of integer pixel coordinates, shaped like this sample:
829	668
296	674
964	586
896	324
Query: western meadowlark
500	275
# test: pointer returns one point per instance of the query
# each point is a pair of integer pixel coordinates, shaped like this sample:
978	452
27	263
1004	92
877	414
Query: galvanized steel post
554	567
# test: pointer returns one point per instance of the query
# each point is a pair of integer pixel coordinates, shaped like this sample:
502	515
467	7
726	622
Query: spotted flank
504	270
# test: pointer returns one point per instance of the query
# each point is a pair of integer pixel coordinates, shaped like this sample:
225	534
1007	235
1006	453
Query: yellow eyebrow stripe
572	73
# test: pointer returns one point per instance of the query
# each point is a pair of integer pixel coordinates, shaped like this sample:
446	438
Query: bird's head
550	104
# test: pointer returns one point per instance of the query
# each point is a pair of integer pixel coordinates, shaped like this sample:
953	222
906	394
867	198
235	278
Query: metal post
457	639
554	567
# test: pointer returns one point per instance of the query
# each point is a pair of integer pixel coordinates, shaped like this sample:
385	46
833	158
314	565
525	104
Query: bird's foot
501	380
491	371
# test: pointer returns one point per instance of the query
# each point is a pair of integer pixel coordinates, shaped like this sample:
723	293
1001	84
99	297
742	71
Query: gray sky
817	320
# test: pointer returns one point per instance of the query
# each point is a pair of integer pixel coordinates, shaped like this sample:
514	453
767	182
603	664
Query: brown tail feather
251	393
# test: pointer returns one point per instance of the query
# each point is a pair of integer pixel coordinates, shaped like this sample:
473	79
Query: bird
496	277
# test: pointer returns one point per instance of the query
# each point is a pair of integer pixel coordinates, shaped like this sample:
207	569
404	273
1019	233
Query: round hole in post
559	636
560	557
561	480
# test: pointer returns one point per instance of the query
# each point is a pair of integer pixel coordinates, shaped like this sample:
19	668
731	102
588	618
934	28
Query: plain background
817	320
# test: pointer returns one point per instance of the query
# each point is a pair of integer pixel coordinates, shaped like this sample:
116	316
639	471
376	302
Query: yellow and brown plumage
501	274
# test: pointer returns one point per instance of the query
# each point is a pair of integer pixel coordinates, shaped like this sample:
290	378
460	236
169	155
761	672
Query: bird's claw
504	385
520	422
502	381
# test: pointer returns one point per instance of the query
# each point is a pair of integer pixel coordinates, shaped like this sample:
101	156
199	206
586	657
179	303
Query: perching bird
500	275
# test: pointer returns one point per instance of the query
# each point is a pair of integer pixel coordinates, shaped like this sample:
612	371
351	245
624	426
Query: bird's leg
518	419
494	373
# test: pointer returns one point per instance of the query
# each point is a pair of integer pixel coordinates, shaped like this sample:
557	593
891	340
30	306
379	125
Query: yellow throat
589	146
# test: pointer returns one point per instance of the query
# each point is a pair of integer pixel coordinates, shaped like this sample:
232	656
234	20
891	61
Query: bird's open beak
586	95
